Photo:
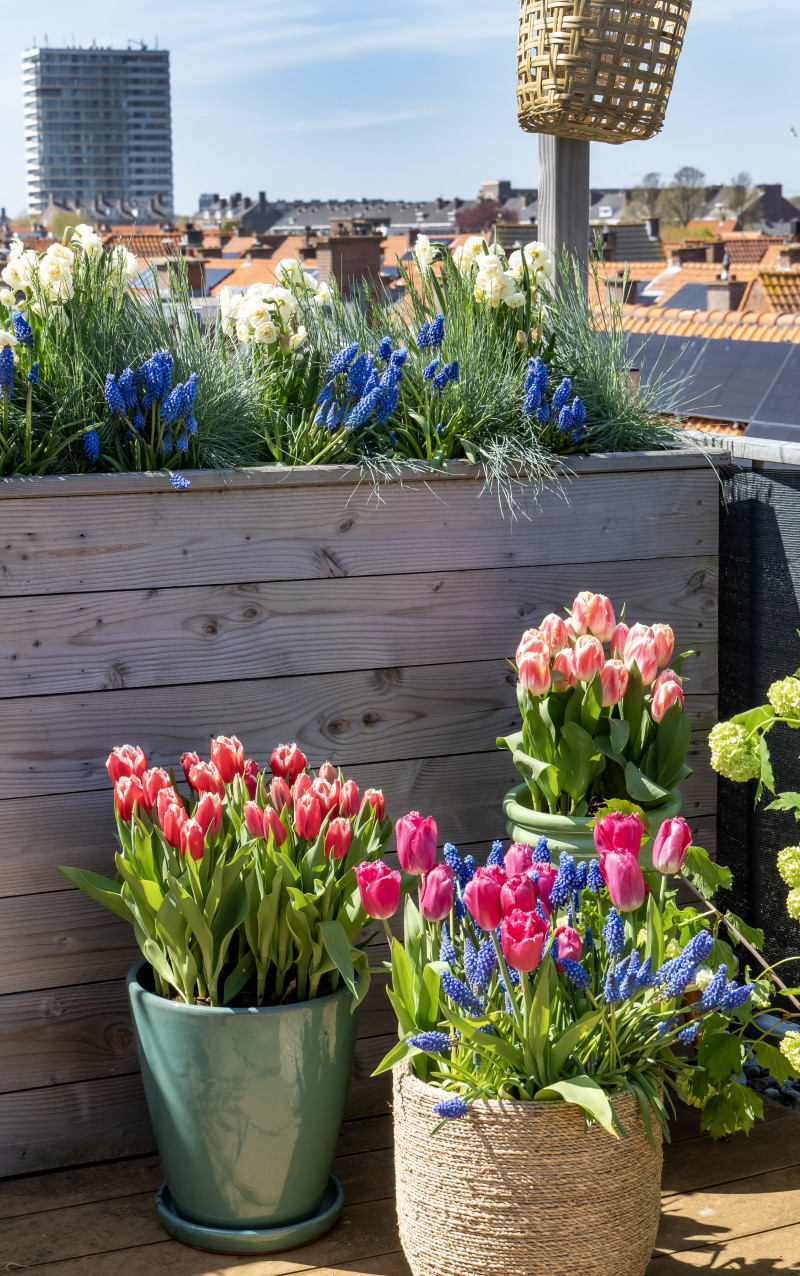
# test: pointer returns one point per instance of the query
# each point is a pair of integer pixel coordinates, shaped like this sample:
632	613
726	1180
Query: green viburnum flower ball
784	696
733	753
790	1046
789	865
793	904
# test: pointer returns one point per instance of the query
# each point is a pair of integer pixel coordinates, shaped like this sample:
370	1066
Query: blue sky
414	99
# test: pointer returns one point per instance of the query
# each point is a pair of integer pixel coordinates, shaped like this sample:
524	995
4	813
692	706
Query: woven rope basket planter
598	70
521	1189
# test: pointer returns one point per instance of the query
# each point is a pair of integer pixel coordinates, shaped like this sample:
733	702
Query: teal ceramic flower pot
571	833
246	1104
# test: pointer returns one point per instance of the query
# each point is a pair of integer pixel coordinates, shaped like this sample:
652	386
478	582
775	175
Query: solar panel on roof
781	402
664	360
689	297
731	378
216	274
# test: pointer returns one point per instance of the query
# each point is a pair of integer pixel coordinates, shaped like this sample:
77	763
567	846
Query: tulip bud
126	759
254	819
287	761
482	896
601	618
518	892
533	640
128	793
563	671
624	880
664	640
280	794
518	859
618	640
205	778
192	840
208	814
307	816
614	677
416	843
349	799
569	944
327	794
337	838
227	754
588	658
251	777
173	819
664	697
153	783
667	675
274	824
328	773
188	760
167	797
301	785
379	888
554	632
579	616
619	832
640	650
436	893
544	877
671	845
522	937
378	803
534	672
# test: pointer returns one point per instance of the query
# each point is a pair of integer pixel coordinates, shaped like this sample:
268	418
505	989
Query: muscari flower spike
485	965
470	962
179	481
452	370
699	947
429	372
468	871
594	878
447	952
398	357
22	330
690	1033
33	375
460	994
91	445
431	1042
385	349
357	375
581	874
341	360
113	397
541	852
611	990
575	973
614	934
495	856
126	388
565	420
452	858
360	414
561	395
735	995
423	336
543	415
714	990
436	331
451	1108
386	404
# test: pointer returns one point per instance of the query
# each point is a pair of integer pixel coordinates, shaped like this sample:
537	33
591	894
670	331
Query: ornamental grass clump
247	889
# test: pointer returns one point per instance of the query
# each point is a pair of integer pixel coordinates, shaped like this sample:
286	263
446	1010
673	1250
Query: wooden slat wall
280	605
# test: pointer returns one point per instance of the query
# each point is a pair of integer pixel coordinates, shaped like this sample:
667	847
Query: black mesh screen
759	598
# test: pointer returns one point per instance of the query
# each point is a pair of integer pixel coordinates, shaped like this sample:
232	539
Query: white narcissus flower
297	338
16	248
285	301
462	258
515	300
124	263
243	331
425	253
490	265
494	289
88	240
6	297
18	273
323	294
255	309
309	281
474	246
265	333
60	252
289	271
7	339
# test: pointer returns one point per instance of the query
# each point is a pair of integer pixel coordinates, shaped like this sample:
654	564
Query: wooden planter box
280	605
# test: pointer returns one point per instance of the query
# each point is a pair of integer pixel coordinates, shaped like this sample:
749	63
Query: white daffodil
16	248
7	339
297	338
60	252
6	297
515	300
494	289
255	309
18	272
88	240
124	263
289	271
310	282
475	246
243	331
425	253
323	294
490	265
286	303
265	333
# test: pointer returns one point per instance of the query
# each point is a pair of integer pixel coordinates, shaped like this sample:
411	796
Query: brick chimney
350	254
725	294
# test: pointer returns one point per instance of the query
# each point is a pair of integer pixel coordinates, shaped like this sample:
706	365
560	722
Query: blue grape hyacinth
451	1108
431	1042
91	446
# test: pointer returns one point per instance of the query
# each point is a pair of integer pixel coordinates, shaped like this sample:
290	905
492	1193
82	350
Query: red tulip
522	936
671	845
192	840
482	896
307	816
337	838
535	641
167	797
188	760
664	697
251	777
280	794
436	893
588	657
126	759
227	754
563	671
624	880
328	773
554	631
205	778
618	640
274	824
153	783
518	859
173	819
640	650
534	672
416	842
327	794
614	677
377	801
128	793
208	814
665	644
379	888
287	761
569	944
619	832
518	893
254	819
544	879
349	799
302	785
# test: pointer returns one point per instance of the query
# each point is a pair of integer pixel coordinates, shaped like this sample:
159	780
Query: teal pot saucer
255	1240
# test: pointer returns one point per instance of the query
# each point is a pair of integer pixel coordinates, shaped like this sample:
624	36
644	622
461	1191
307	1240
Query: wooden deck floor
733	1207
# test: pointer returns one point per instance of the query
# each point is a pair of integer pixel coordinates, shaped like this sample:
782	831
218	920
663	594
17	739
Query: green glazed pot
246	1104
571	833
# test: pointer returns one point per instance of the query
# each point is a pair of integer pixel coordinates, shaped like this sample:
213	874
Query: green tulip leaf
101	889
337	946
586	1094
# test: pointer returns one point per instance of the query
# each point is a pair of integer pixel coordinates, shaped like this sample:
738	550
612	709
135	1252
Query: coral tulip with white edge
126	759
664	697
641	651
208	813
192	840
664	640
554	631
173	817
205	778
532	640
307	816
227	754
280	795
614	677
337	838
377	801
287	761
153	783
618	640
563	671
601	619
588	657
349	799
667	675
327	794
534	672
128	794
579	615
251	777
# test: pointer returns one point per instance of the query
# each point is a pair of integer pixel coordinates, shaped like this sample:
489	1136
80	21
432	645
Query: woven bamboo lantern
598	70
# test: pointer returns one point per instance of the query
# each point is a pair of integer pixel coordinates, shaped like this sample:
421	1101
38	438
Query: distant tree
478	218
743	199
685	195
230	223
646	199
61	220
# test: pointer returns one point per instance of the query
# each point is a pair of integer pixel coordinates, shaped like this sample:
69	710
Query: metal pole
564	196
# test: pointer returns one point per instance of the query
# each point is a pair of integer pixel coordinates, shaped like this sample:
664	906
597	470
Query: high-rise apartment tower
97	121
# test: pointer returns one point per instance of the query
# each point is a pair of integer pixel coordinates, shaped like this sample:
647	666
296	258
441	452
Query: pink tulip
328	773
436	893
618	640
128	794
518	859
173	817
619	832
227	754
534	672
188	760
280	795
667	675
337	838
532	640
623	879
274	824
327	794
601	618
544	879
569	944
379	888
579	615
640	650
588	657
518	893
287	761
482	896
251	777
554	632
671	845
167	797
254	819
664	697
349	799
153	783
522	937
377	801
416	843
205	778
614	677
209	814
301	785
664	640
192	840
126	759
563	671
307	816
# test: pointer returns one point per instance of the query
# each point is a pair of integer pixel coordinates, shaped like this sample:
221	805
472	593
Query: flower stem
509	986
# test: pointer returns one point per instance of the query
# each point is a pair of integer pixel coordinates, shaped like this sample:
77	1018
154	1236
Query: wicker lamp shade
598	70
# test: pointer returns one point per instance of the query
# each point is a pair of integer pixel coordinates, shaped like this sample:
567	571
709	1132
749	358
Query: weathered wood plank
712	1217
773	1144
761	1253
60	744
219	537
158	637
